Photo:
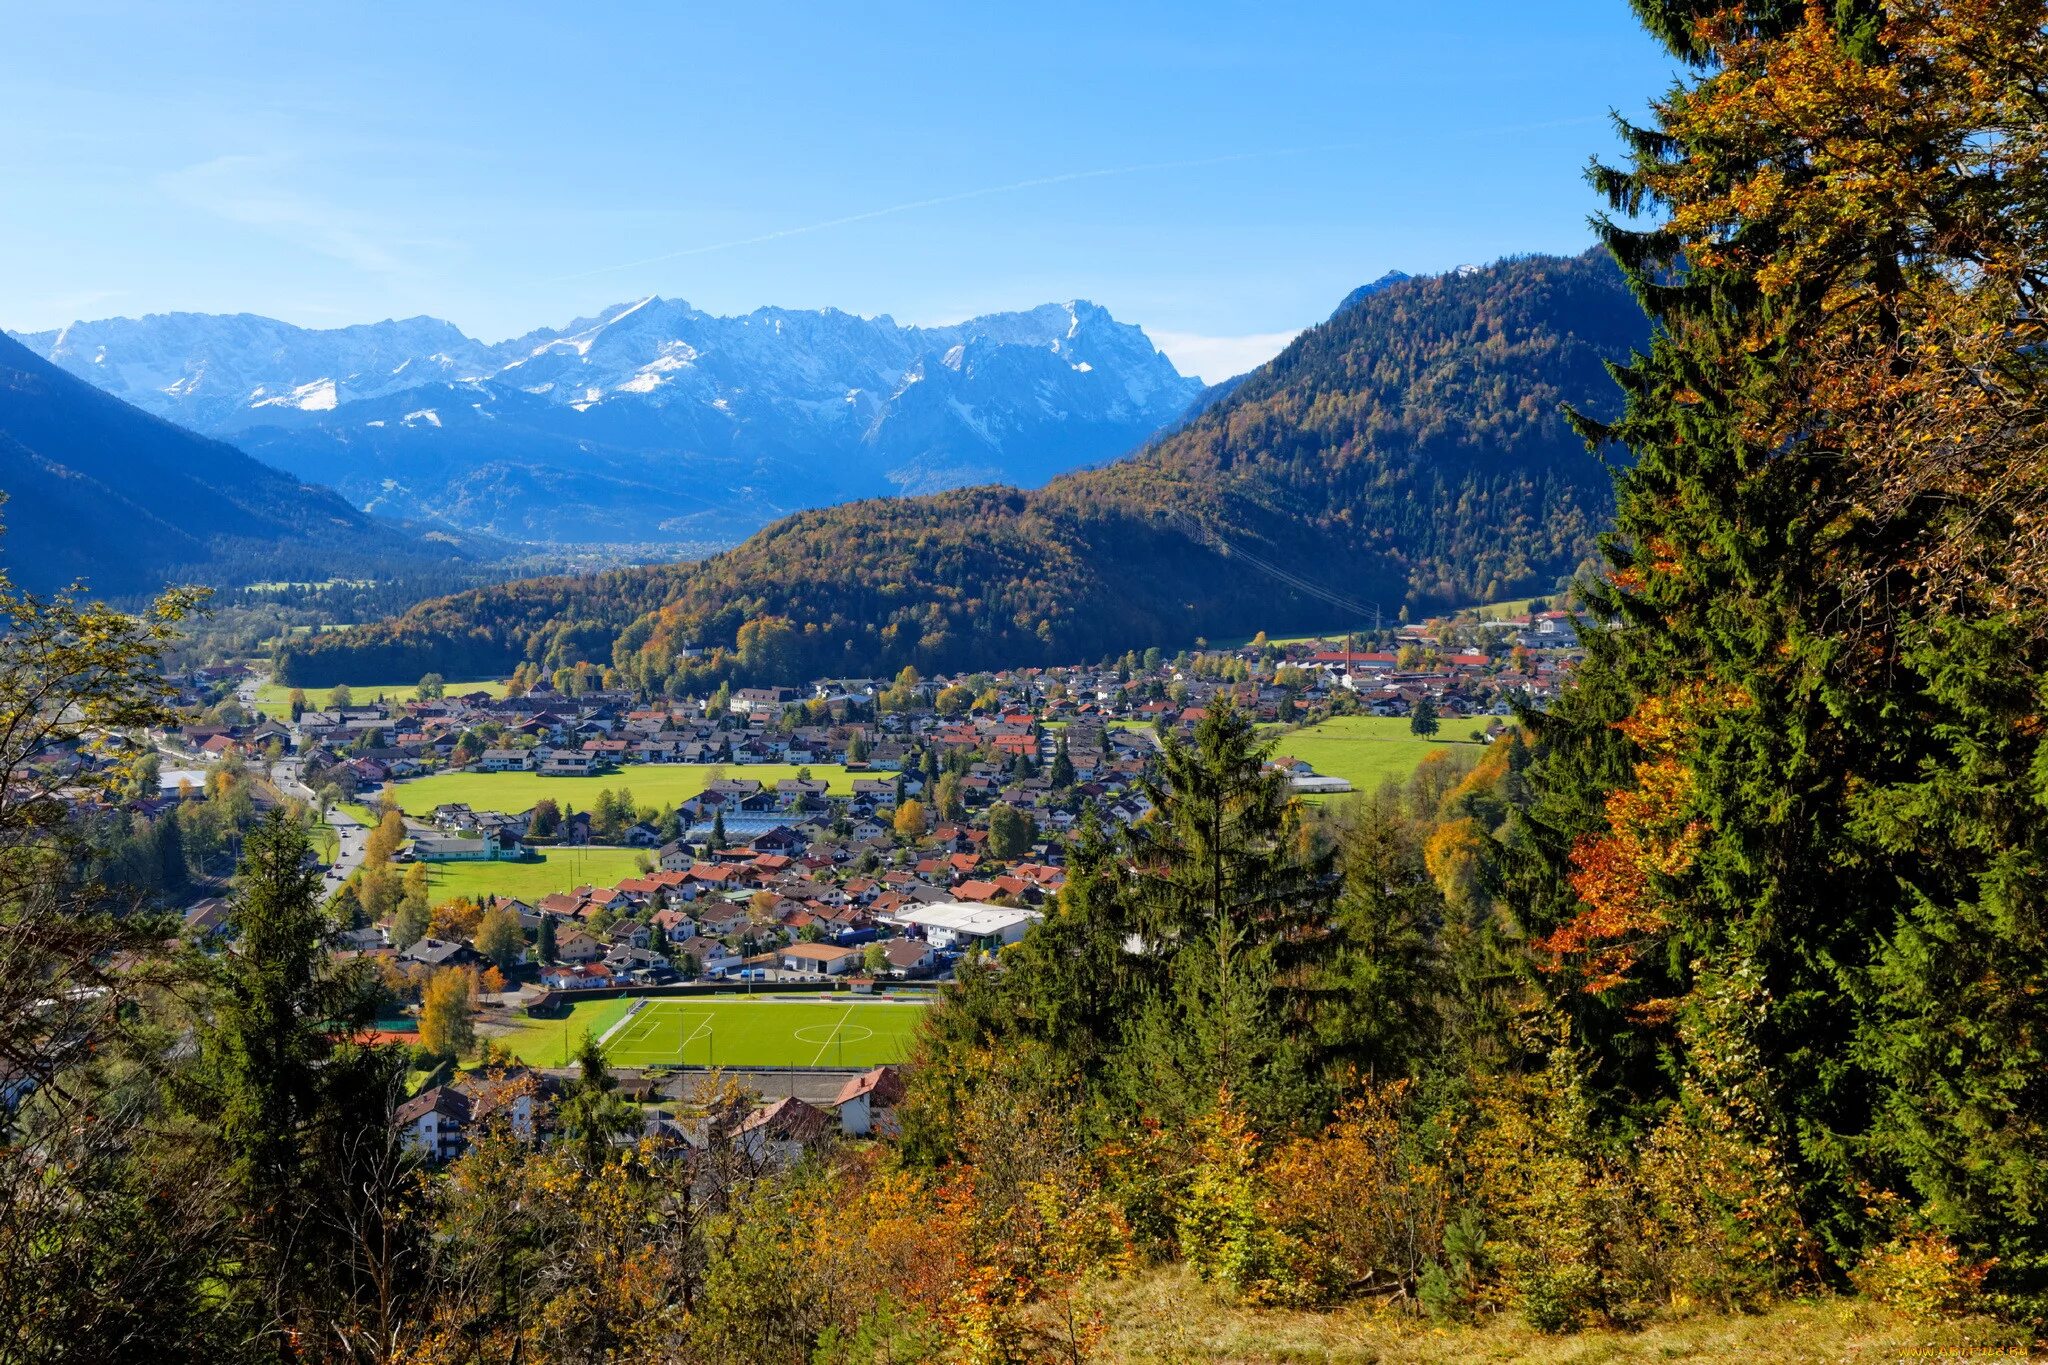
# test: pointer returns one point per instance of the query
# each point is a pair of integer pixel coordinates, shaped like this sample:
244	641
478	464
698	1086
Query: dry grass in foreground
1171	1319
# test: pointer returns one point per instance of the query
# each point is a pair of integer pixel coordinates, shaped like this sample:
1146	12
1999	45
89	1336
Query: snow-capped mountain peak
816	403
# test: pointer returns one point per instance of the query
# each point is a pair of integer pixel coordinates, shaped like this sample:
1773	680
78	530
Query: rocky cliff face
651	420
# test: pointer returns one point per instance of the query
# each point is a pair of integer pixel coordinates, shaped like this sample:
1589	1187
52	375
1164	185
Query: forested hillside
1413	449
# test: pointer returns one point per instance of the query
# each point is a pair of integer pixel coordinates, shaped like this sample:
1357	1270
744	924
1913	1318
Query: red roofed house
435	1122
777	1134
674	924
867	1104
573	946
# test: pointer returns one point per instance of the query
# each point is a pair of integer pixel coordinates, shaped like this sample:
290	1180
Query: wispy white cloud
1213	359
254	192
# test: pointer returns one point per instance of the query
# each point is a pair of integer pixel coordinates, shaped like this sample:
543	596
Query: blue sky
1220	174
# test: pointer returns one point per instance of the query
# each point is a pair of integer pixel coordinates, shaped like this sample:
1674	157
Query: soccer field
722	1031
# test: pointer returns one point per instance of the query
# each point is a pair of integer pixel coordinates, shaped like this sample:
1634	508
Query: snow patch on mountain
743	416
320	395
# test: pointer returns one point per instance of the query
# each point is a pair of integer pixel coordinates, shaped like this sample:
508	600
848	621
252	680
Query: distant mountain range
651	421
1411	450
99	491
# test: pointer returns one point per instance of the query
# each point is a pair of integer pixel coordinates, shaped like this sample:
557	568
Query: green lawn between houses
274	699
558	869
552	1042
828	1031
1369	750
652	784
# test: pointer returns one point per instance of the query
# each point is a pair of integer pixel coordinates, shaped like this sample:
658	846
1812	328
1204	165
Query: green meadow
558	869
1370	750
275	699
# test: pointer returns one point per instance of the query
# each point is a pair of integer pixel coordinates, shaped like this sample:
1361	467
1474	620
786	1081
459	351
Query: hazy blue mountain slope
100	491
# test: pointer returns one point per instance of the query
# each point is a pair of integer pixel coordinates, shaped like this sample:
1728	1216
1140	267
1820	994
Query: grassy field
1500	611
729	1031
652	784
274	698
1168	1316
559	869
1368	750
552	1042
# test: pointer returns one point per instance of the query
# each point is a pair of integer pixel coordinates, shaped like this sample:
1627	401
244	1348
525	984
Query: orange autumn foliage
1901	194
1651	836
1453	856
455	920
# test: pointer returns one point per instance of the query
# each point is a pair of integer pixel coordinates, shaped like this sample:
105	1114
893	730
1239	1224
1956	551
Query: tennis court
828	1031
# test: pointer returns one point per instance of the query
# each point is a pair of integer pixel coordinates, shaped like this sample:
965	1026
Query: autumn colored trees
1785	835
1723	979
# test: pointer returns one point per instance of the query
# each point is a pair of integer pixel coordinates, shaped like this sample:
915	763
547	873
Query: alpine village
1508	823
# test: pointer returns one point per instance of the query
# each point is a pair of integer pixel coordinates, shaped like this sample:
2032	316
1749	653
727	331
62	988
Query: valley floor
1170	1319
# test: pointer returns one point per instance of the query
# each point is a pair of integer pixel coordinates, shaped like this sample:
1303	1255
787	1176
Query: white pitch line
624	1019
831	1034
703	1030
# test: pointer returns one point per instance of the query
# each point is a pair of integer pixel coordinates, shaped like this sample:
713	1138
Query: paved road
348	855
349	831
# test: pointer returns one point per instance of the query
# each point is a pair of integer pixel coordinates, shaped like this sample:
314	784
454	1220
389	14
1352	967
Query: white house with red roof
867	1104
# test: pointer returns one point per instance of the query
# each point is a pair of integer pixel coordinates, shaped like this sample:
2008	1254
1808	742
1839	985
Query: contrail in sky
1037	182
1032	184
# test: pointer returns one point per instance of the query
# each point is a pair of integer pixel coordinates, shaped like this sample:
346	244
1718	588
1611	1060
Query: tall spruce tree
1789	776
1062	772
1183	957
275	1056
1382	974
1224	847
1231	905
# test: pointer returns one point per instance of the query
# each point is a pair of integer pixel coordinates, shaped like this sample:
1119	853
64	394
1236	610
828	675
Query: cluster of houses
747	913
1462	668
440	1122
785	879
1467	665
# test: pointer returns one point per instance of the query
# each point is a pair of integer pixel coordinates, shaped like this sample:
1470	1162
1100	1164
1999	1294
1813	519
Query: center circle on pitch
821	1034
